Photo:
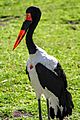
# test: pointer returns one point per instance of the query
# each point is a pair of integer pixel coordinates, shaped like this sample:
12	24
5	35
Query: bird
45	71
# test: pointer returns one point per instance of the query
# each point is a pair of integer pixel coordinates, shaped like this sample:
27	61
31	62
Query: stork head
32	18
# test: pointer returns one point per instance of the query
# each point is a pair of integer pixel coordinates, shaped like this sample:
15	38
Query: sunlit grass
57	33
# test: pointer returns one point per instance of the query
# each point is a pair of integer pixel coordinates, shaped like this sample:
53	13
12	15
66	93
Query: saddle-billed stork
45	72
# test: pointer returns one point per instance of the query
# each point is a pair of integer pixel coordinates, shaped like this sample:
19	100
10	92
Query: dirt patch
7	18
72	22
21	113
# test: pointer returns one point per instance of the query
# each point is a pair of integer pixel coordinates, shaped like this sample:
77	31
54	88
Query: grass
57	33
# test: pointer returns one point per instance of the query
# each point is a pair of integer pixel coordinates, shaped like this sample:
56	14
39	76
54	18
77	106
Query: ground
58	33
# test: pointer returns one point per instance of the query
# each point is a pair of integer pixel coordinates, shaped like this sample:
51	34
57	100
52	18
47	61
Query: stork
45	72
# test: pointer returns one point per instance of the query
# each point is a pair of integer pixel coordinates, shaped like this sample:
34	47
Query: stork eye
28	16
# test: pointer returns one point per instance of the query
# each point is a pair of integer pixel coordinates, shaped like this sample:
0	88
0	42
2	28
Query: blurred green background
58	33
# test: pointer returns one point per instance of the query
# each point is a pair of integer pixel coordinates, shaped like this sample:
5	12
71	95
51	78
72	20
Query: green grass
58	33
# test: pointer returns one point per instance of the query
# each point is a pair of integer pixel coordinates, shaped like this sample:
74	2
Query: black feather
56	84
52	113
49	80
27	73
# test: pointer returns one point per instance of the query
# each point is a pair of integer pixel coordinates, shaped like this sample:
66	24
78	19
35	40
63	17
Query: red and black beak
24	29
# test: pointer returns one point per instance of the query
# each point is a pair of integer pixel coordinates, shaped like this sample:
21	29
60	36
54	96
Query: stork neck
29	42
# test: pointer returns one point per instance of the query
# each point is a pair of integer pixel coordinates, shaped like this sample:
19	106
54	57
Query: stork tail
67	104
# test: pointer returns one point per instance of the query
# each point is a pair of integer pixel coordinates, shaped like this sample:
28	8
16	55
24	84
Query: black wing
27	73
61	74
57	84
50	79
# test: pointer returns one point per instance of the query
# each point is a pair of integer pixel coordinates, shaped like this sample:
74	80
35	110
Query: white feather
50	62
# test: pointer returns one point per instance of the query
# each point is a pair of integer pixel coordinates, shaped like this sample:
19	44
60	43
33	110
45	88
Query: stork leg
39	107
48	110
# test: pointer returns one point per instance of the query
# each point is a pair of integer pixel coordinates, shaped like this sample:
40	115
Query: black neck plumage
29	40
